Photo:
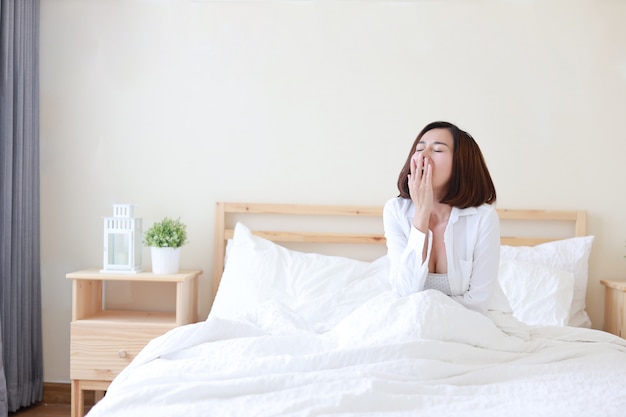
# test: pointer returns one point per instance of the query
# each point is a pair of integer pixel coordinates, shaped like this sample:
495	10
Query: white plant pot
165	260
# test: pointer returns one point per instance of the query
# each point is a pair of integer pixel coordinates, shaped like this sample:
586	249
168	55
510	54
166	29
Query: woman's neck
440	213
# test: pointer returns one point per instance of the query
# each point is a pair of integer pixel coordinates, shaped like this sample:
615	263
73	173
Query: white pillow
538	294
571	255
320	289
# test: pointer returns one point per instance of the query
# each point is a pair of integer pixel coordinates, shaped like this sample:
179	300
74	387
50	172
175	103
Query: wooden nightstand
615	306
104	341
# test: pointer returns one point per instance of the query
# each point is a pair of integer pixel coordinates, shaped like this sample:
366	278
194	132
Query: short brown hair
470	184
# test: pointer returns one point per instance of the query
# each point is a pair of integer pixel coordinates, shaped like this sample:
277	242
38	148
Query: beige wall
174	105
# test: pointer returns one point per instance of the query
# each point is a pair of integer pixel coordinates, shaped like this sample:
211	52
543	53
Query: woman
443	231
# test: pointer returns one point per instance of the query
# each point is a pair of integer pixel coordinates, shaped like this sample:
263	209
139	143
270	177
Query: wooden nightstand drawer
99	351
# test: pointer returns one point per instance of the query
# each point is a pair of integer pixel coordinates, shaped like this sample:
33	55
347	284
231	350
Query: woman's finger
413	165
423	169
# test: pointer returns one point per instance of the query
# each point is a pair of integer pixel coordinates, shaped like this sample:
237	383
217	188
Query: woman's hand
421	190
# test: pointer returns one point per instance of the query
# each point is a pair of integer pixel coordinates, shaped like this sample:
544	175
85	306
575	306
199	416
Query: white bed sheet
420	355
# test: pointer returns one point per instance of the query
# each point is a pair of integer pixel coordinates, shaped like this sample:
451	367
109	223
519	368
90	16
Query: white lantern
122	241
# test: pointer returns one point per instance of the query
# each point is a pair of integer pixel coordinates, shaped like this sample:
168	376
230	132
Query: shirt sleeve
485	262
407	271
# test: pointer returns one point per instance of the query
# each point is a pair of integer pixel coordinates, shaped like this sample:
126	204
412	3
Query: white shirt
472	242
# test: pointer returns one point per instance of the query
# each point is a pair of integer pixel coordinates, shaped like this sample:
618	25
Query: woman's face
436	147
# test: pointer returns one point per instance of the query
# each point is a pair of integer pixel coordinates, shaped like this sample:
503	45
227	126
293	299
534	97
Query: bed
297	329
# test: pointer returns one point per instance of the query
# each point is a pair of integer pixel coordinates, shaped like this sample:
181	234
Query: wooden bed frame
226	214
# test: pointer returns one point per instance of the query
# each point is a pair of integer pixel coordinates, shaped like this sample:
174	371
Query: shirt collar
458	212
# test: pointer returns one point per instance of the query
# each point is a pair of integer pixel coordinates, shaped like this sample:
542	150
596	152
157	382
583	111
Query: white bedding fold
419	355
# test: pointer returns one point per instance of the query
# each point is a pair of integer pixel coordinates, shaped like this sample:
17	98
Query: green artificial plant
168	233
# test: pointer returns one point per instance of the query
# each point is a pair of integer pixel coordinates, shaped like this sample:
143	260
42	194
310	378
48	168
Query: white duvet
419	355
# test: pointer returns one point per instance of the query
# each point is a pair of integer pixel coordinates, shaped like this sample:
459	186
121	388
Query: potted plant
165	239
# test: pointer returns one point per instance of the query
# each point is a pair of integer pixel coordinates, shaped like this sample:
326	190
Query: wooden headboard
226	212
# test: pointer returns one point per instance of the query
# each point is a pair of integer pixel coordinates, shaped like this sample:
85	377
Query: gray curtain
4	406
20	275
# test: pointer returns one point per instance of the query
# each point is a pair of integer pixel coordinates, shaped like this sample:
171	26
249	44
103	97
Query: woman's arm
408	266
